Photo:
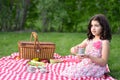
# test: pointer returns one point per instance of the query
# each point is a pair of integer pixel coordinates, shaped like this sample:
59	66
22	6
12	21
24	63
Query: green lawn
63	41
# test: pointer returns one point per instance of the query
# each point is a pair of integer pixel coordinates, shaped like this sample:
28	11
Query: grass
63	41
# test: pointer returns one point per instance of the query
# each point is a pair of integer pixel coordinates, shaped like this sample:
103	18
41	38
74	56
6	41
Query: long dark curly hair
106	31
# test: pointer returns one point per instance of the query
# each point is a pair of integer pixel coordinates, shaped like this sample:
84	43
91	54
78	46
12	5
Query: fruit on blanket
44	60
17	58
55	61
35	59
41	67
36	63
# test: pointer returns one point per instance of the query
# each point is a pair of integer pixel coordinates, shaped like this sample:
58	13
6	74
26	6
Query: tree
56	15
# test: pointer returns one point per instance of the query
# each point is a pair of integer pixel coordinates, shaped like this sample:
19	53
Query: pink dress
86	67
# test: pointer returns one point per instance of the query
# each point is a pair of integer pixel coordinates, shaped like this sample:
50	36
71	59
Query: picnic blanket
13	69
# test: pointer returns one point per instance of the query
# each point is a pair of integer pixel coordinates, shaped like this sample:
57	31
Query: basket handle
35	36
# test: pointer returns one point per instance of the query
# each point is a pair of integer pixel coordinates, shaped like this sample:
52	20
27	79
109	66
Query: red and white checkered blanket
12	69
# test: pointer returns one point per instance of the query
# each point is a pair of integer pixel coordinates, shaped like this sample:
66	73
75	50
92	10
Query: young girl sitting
96	46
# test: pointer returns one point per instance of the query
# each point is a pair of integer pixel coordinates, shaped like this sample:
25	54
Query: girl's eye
97	25
91	25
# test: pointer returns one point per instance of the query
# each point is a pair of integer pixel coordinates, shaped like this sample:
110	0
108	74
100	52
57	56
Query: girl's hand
74	50
82	56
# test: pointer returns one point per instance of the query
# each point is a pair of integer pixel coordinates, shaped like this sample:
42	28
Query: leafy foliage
56	15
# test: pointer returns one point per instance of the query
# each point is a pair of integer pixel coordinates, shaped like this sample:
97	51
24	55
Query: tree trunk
25	8
44	21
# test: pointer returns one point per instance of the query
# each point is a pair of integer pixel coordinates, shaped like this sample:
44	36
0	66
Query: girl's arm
74	49
105	53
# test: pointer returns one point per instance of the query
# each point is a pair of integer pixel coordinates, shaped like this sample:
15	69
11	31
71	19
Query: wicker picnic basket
35	49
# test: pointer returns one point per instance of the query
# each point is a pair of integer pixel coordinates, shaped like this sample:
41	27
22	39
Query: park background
63	22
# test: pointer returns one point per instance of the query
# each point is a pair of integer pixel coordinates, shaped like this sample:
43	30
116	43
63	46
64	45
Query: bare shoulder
105	42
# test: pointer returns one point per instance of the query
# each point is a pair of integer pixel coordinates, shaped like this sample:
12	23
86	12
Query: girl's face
95	28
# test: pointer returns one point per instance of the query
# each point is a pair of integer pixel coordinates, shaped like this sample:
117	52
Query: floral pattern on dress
86	67
97	44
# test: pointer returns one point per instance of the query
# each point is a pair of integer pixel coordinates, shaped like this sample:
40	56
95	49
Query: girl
93	62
